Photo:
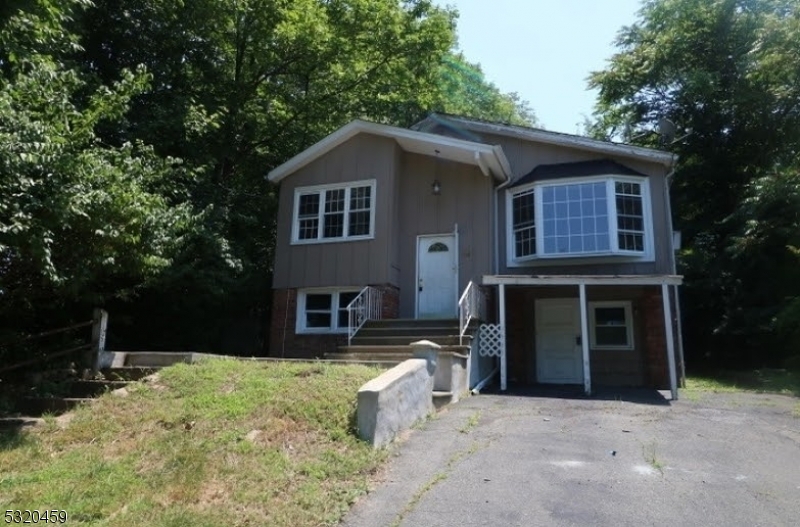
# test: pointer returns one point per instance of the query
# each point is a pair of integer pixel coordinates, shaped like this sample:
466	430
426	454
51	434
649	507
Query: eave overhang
490	159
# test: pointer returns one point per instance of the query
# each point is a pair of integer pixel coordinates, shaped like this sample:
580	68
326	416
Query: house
567	240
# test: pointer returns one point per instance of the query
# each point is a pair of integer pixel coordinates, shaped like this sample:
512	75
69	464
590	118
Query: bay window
590	217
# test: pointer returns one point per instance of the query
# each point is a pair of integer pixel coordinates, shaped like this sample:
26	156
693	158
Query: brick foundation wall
655	340
391	300
284	342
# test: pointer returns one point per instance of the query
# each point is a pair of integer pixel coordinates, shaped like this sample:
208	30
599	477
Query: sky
543	49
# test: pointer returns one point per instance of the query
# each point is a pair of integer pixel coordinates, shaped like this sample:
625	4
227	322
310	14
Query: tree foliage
139	134
81	221
726	75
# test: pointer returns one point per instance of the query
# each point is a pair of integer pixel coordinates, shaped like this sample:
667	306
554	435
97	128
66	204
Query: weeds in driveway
471	423
650	453
216	443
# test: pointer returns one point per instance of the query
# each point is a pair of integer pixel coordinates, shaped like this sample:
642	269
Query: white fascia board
586	280
562	139
494	157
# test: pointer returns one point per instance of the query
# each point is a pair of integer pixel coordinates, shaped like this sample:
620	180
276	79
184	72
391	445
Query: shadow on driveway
571	391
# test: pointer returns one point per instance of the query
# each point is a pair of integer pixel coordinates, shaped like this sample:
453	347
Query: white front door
437	276
559	358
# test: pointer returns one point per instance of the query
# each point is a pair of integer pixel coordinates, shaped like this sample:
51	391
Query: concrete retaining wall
398	398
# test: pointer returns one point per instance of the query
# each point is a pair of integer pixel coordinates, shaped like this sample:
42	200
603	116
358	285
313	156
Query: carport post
502	300
673	383
587	374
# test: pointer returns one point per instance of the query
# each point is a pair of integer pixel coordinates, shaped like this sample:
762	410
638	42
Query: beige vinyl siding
465	200
340	263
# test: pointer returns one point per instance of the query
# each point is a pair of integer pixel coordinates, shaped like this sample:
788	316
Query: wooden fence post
99	325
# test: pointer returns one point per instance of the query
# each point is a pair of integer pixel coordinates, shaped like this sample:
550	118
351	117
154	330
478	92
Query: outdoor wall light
436	187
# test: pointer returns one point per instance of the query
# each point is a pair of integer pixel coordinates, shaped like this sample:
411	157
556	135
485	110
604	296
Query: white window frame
626	305
301	310
322	190
614	254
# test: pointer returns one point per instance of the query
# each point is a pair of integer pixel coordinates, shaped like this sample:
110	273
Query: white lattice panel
491	340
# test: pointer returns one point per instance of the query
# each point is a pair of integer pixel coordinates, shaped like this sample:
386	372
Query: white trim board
586	279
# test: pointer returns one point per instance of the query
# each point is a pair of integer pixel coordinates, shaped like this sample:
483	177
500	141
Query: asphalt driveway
626	459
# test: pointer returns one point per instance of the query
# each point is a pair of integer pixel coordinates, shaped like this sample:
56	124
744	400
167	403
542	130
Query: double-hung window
611	325
323	311
334	212
592	217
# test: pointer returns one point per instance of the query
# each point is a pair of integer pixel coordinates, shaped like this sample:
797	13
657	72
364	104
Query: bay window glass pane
577	221
523	224
630	216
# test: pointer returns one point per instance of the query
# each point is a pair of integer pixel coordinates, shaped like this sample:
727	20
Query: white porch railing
471	306
367	305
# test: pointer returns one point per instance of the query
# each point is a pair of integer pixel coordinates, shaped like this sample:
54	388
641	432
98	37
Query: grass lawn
784	382
222	442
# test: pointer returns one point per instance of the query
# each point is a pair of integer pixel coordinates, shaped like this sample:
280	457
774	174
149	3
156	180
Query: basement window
323	311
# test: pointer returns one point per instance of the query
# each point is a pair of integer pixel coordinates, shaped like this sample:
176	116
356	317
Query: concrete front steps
118	370
404	331
388	342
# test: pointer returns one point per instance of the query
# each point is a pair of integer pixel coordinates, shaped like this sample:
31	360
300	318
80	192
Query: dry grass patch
218	443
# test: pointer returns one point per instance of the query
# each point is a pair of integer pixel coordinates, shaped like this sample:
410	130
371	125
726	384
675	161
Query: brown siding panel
340	263
464	200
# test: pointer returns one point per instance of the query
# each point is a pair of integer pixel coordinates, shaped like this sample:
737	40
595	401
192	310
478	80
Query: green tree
81	222
726	75
239	86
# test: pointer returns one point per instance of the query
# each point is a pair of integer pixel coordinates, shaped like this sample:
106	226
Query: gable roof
490	159
468	128
598	167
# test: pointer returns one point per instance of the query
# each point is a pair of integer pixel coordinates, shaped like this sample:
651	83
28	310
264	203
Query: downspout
496	270
674	268
496	225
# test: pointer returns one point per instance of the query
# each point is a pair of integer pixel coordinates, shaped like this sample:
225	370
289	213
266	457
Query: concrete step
397	349
412	323
402	331
38	406
128	373
161	359
400	340
93	388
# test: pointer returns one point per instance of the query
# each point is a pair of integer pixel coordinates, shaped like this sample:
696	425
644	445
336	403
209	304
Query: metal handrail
471	306
368	305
